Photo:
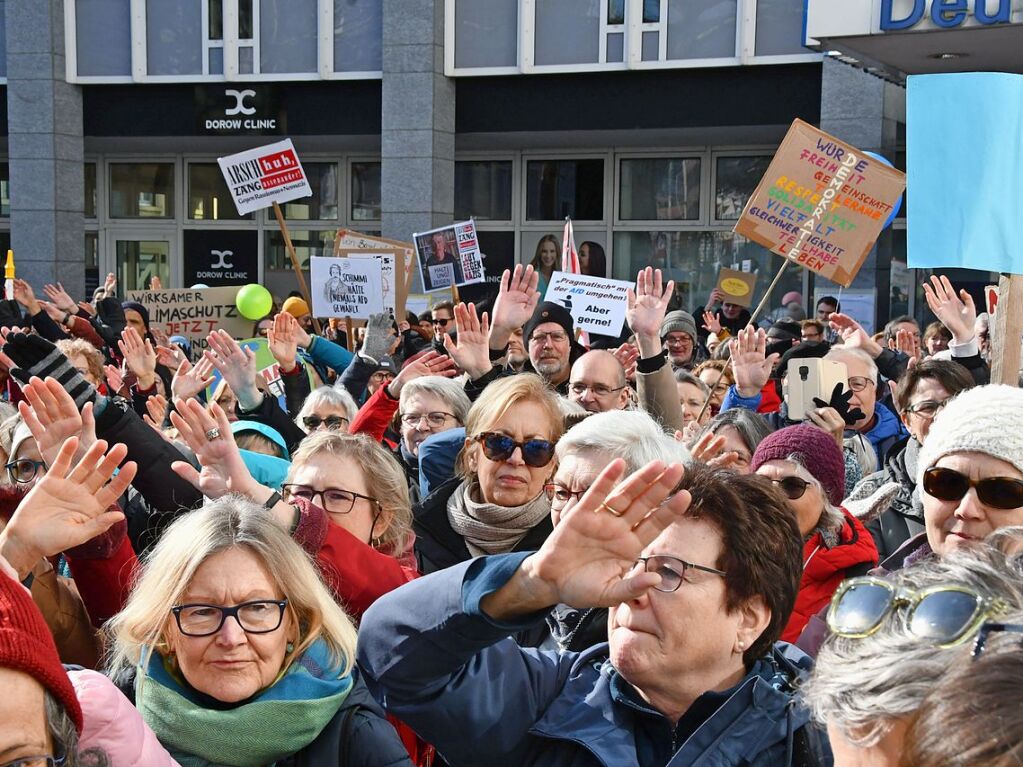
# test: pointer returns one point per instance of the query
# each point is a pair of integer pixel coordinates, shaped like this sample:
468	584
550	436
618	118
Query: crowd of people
469	539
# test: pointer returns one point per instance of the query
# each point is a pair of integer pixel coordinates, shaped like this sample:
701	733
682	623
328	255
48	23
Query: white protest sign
597	305
387	267
449	255
193	313
260	177
345	287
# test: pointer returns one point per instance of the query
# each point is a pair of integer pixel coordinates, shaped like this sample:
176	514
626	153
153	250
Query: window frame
702	219
606	156
718	152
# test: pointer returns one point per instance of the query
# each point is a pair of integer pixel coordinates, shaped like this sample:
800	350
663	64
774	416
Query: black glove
840	402
10	315
35	356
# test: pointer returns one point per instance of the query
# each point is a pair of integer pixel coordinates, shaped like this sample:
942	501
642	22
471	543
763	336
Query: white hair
629	434
448	390
333	396
838	353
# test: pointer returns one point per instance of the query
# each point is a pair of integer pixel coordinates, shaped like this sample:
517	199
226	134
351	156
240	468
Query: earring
290	648
742	646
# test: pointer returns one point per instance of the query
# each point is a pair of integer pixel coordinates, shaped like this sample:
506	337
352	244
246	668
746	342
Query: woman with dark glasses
496	503
894	639
805	463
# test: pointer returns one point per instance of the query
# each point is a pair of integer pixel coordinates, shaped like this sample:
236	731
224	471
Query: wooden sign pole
302	286
1007	331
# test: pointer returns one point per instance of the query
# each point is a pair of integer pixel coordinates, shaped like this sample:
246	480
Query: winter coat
430	653
904	517
825	568
567	629
886	432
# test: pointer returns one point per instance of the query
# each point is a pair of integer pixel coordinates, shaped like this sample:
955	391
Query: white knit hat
984	419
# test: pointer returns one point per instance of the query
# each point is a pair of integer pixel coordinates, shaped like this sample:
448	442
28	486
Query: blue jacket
431	656
887	431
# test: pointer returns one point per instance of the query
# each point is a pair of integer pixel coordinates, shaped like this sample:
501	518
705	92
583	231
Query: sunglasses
332	422
944	615
996	492
990	627
499	447
442	321
793	487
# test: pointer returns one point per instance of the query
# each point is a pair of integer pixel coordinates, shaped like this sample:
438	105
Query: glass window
287	36
660	189
245	60
651	11
216	19
486	33
3	38
209	199
142	190
650	46
216	66
615	48
737	178
5	190
483	189
103	38
358	35
567	32
322	206
138	261
615	11
245	26
174	37
701	29
89	202
779	27
559	188
365	191
307	243
91	262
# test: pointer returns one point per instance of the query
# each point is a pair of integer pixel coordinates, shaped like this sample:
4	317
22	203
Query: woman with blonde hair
236	654
545	260
496	502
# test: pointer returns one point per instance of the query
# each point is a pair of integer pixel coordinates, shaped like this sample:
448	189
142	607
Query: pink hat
793	296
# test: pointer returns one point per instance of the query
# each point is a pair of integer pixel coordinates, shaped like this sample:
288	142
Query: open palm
223	470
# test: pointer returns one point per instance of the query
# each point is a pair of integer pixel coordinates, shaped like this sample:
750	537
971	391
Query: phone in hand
810	378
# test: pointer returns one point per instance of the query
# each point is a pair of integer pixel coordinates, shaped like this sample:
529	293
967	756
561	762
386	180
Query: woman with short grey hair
327	407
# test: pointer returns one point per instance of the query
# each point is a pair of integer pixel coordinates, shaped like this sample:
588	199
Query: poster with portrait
346	287
449	256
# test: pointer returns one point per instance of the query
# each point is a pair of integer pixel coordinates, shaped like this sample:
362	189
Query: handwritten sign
345	287
260	177
456	250
822	203
387	272
737	287
193	313
597	305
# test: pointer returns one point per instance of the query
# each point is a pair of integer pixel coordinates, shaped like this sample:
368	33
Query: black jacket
904	517
438	546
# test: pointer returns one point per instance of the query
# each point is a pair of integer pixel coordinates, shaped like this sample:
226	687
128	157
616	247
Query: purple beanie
817	451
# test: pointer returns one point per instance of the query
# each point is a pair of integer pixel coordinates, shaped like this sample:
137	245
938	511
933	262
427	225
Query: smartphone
809	378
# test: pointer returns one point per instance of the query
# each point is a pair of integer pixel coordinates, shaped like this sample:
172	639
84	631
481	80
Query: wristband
652	364
496	354
67	316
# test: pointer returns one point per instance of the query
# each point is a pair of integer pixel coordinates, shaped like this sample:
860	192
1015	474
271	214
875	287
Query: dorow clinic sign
260	177
822	203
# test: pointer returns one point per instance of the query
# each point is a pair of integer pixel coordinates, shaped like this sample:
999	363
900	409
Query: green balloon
254	302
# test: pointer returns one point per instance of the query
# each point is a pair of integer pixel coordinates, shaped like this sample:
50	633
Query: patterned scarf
275	723
491	529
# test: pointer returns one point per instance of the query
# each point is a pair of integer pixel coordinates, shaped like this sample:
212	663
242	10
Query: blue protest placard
964	166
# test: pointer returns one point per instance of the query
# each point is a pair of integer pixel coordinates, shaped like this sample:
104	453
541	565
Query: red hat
816	450
27	645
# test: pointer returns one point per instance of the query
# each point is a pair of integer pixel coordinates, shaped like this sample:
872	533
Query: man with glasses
678	334
597	382
550	343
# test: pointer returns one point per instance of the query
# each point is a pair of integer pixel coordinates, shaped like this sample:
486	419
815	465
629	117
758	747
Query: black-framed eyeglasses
673	570
258	616
990	627
36	761
555	337
683	340
500	447
435	419
332	422
927	408
23	471
951	485
335	500
794	488
599	390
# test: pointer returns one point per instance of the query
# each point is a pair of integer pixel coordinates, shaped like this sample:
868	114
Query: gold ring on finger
607	508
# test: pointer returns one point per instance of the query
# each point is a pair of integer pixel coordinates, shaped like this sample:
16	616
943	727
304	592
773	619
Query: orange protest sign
822	203
737	287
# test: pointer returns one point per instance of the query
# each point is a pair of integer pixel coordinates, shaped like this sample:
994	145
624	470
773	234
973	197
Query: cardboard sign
597	305
386	259
449	256
822	203
193	313
991	299
260	177
345	287
737	287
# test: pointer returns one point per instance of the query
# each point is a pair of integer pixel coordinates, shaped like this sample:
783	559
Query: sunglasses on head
499	447
944	615
793	487
991	627
996	492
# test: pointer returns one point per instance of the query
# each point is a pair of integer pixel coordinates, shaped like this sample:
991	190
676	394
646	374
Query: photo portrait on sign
438	258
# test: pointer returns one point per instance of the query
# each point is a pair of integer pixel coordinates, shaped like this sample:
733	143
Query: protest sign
822	203
260	177
386	258
193	313
737	287
349	238
345	287
597	305
449	256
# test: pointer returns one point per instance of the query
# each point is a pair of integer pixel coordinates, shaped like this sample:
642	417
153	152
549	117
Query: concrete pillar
417	121
45	148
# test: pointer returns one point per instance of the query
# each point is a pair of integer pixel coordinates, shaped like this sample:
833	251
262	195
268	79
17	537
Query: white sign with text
260	177
346	287
597	305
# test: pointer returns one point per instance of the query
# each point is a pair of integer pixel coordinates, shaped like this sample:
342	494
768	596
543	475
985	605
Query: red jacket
770	402
375	416
824	569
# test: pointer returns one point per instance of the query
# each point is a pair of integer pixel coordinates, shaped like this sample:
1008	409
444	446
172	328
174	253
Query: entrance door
136	257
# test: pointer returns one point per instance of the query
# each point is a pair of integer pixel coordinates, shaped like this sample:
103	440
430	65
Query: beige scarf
491	529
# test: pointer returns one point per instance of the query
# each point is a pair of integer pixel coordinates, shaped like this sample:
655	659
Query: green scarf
273	724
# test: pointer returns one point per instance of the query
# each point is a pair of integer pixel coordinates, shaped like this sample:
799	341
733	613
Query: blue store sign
946	14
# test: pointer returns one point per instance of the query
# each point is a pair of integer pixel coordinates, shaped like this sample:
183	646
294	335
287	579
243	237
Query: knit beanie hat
296	307
135	306
26	645
816	450
984	419
549	312
679	321
792	297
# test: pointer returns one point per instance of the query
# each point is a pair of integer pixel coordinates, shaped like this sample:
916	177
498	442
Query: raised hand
191	379
170	356
68	506
208	434
156	411
139	355
956	312
516	301
647	305
711	323
55	314
115	381
282	340
472	350
907	342
51	415
716	296
110	285
710	449
88	308
628	356
430	364
853	335
60	298
25	296
155	283
236	365
751	365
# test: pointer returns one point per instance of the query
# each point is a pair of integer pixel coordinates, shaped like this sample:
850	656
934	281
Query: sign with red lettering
822	203
193	313
260	177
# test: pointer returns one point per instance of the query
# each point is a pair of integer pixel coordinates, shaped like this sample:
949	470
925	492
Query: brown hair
537	262
762	548
937	329
728	377
952	376
92	355
815	324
